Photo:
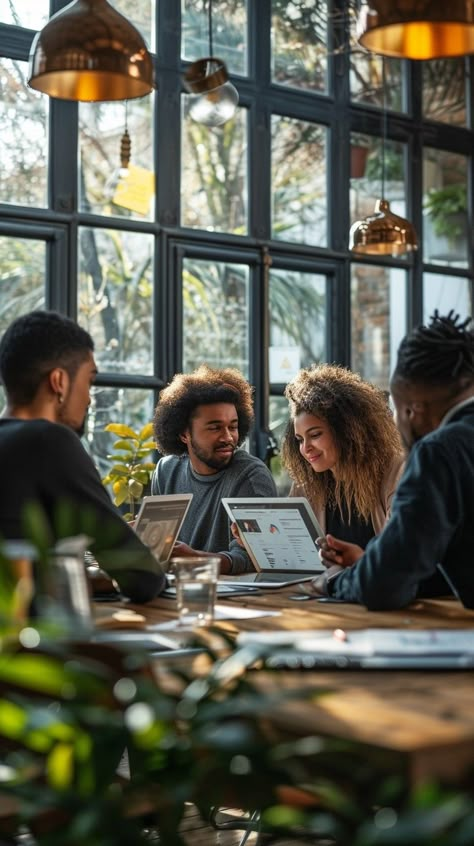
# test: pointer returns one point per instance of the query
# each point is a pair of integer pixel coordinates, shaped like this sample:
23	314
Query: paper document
369	642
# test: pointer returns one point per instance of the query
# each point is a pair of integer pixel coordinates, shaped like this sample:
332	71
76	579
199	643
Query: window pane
132	406
23	138
444	90
378	310
366	175
445	208
299	181
299	44
446	293
115	298
142	15
22	280
215	314
105	187
214	175
366	81
32	15
229	32
297	322
278	418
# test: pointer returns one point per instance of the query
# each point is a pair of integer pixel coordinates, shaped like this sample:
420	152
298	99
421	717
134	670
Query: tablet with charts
279	535
159	521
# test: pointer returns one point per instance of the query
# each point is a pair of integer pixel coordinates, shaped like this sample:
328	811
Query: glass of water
196	588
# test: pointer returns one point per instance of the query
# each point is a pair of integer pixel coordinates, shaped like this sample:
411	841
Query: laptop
279	535
158	523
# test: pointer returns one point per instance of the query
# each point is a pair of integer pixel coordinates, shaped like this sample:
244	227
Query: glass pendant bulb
215	98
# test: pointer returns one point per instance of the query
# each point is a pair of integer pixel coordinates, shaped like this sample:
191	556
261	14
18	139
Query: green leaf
126	445
120	498
146	432
121	430
135	488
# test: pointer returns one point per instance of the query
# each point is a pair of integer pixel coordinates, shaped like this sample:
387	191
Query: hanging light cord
384	124
209	12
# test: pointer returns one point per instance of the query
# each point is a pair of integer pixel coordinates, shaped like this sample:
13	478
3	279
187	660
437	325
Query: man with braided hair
200	421
427	546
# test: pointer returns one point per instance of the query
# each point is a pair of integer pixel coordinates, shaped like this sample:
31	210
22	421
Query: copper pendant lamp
214	99
89	51
410	29
383	232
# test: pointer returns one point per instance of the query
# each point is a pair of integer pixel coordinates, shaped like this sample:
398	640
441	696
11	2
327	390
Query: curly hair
178	402
364	432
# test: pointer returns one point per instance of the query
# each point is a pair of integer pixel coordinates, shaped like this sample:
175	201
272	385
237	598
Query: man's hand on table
182	550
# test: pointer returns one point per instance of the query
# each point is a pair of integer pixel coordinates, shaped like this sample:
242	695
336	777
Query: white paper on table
221	612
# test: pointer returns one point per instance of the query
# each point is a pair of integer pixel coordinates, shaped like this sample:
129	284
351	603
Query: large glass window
297	322
299	175
133	406
215	314
115	298
445	293
229	32
109	185
22	277
299	44
378	309
214	175
32	15
444	90
366	80
23	138
445	209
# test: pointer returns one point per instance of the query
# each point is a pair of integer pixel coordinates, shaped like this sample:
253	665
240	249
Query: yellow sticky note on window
136	190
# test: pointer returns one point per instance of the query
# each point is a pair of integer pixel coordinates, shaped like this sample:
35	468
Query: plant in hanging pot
359	153
132	465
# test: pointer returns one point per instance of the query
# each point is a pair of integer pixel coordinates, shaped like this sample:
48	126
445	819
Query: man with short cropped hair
47	368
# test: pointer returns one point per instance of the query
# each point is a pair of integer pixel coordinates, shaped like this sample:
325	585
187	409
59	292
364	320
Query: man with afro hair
200	422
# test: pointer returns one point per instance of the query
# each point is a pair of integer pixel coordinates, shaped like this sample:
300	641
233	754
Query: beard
211	458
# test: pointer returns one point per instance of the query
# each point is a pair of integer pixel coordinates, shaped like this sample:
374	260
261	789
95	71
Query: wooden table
423	721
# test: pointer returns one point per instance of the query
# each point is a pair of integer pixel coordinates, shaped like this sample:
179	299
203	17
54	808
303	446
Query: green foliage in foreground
68	710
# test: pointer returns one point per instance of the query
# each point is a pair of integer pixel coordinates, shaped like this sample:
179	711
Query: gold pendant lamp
409	29
383	232
89	51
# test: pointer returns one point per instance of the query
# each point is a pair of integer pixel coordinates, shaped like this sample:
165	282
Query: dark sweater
431	528
45	463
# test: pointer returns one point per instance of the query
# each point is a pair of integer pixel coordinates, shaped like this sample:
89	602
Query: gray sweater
207	525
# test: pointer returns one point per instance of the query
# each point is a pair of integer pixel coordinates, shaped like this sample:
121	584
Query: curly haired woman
342	450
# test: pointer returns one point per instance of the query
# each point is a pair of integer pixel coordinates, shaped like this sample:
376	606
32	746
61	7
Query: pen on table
340	634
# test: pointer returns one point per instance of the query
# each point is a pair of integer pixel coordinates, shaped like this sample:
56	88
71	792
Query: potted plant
447	208
132	465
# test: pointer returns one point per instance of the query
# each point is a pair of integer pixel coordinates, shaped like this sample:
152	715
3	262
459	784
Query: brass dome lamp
89	51
214	99
383	232
410	29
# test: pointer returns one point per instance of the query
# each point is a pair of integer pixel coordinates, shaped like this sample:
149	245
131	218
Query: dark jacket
431	528
45	463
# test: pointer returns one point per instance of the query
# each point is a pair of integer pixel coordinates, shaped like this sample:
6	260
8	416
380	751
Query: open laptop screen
278	533
159	521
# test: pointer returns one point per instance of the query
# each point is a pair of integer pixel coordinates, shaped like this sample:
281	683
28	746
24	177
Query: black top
357	531
45	463
431	528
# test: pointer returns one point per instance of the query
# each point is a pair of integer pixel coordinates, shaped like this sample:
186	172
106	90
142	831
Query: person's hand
182	550
235	534
335	551
317	586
